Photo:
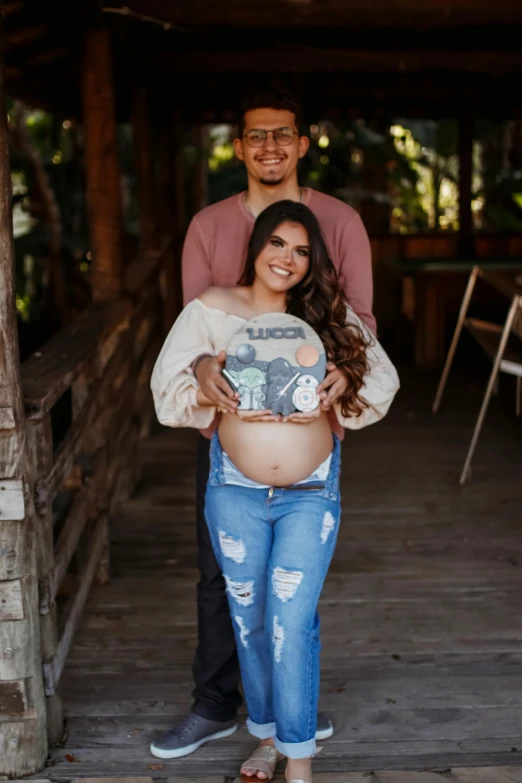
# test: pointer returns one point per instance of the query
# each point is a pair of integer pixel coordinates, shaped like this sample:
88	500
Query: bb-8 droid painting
276	361
305	397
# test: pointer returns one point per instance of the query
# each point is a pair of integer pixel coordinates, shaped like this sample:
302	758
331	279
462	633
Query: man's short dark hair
279	99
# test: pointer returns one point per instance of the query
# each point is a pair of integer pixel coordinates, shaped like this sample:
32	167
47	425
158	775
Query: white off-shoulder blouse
202	329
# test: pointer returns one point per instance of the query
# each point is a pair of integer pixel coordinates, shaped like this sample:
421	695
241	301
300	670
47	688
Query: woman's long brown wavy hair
317	298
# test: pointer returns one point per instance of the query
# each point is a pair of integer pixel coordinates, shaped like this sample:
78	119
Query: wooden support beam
40	440
22	704
104	203
145	169
296	58
466	236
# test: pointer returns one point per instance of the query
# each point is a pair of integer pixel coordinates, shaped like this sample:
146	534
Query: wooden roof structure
434	56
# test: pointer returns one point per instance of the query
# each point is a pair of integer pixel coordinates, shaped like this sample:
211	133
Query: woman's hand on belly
296	418
247	415
305	417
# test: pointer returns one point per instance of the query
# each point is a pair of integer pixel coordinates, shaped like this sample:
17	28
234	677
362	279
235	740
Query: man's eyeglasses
256	137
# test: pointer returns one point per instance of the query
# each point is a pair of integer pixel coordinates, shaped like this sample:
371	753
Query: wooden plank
7	419
13	699
11	602
487	775
83	507
53	669
13	555
80	429
226	757
48	373
12	505
112	780
408	777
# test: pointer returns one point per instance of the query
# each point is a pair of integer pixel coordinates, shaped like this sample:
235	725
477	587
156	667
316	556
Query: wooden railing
91	381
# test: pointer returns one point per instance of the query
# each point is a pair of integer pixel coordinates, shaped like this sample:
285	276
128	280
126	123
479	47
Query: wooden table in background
429	286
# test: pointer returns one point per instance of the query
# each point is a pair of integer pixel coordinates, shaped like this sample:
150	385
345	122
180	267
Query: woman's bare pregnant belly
276	453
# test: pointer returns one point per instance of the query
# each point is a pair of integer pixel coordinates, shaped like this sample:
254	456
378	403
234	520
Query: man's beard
272	182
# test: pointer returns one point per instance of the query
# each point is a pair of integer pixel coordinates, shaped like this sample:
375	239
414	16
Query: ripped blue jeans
274	547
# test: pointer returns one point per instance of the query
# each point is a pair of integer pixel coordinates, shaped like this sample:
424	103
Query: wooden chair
497	342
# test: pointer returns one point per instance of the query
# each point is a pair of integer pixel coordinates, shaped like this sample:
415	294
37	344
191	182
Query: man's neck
260	196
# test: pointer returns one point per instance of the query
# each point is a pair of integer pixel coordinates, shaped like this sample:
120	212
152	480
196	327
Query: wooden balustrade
103	361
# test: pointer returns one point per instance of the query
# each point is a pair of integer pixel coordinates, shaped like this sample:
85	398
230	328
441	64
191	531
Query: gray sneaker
324	727
189	734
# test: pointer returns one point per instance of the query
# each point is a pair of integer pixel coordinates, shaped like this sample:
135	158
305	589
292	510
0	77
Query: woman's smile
279	270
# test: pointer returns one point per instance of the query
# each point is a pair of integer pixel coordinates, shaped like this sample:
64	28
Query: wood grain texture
487	775
102	166
11	604
47	374
22	732
7	419
12	506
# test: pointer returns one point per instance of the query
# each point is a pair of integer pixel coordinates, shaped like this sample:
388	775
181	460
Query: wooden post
23	740
144	166
466	236
104	203
40	442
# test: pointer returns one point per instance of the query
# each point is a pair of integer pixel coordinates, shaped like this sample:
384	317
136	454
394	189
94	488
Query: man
270	144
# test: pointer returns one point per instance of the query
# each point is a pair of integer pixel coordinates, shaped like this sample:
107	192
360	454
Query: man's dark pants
216	666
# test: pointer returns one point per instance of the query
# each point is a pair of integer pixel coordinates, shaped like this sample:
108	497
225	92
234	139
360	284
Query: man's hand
214	386
336	384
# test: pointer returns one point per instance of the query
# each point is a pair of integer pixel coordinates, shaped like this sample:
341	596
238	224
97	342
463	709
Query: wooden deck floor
421	614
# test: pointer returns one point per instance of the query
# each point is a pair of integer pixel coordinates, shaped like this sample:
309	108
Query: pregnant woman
273	499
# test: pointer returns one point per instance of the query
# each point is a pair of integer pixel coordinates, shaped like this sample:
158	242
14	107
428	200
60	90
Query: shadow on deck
421	613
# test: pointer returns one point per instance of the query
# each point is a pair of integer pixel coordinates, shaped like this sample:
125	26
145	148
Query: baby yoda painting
252	388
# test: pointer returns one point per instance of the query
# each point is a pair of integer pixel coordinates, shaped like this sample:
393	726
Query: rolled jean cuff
296	750
261	730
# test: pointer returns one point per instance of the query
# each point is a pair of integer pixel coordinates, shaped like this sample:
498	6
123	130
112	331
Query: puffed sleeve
381	383
173	383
